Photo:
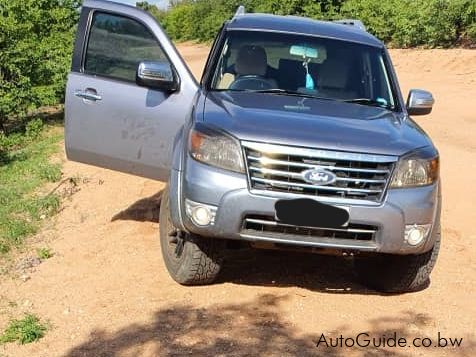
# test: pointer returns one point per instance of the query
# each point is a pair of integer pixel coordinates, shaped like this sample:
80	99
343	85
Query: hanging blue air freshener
309	82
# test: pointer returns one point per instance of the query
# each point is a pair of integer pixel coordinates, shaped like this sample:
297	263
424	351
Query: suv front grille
259	225
280	168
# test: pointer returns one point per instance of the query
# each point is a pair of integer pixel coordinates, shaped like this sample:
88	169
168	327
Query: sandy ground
106	291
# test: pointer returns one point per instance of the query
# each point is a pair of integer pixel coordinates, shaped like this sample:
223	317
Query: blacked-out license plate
311	213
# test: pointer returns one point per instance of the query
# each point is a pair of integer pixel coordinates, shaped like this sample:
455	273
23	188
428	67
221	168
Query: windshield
291	64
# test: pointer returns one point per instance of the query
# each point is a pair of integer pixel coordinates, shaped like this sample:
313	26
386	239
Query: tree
36	38
401	23
153	9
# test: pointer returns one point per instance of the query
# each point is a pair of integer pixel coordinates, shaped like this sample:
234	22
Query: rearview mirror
419	102
304	51
316	54
157	75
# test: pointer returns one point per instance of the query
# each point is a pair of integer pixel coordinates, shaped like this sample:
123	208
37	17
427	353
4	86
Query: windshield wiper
289	92
363	101
275	90
368	101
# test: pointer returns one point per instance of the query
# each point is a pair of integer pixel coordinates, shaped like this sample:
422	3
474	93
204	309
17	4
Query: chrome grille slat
272	149
311	166
276	172
299	176
304	185
274	223
279	168
264	226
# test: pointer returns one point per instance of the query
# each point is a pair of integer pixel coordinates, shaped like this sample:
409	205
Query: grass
25	168
26	330
44	253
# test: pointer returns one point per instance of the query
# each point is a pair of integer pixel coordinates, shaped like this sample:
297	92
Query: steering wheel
251	82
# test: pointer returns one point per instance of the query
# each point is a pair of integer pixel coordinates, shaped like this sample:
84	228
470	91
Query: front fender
179	155
175	179
178	151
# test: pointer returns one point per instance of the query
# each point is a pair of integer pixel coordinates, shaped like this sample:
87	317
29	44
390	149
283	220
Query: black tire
398	273
189	259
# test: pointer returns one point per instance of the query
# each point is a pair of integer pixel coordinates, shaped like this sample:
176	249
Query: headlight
418	169
215	148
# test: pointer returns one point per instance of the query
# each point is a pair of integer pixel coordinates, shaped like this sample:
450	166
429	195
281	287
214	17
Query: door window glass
117	45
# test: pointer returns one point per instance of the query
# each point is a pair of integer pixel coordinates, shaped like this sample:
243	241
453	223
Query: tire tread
203	257
398	274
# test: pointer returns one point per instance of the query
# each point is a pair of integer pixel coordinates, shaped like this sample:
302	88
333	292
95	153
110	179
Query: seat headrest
334	73
251	60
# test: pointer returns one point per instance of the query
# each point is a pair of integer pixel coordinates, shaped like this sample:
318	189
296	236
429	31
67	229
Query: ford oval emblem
319	177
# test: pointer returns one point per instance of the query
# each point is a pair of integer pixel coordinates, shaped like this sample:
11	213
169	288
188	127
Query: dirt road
106	291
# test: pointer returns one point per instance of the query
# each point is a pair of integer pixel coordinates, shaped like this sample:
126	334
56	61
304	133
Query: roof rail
240	11
352	22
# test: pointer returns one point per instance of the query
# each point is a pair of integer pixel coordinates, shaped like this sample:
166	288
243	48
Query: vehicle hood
315	123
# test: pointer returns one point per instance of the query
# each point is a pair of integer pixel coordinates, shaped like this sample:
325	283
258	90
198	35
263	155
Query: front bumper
229	192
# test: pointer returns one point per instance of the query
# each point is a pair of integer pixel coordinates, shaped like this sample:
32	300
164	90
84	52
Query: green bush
44	253
470	33
26	330
408	23
34	128
400	23
36	40
179	22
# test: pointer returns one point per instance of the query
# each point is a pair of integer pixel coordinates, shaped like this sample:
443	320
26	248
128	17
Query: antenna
240	11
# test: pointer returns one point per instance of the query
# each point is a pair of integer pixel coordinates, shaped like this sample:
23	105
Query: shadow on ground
258	267
328	274
4	157
51	115
145	210
248	329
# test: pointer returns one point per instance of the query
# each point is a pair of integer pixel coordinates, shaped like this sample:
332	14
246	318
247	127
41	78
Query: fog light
200	213
416	233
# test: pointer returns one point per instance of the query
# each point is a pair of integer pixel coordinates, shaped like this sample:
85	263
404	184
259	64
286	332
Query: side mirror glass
419	102
157	75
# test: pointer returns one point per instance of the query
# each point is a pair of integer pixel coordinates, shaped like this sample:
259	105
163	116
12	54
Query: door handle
88	95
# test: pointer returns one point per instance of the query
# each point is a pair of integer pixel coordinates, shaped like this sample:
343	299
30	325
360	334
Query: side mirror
157	75
419	102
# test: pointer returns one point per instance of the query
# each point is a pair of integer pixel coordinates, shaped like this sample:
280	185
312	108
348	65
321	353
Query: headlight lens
415	170
216	149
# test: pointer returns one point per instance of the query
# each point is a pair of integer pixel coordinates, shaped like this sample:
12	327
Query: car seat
250	67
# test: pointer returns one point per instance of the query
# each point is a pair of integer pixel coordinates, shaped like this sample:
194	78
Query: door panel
111	121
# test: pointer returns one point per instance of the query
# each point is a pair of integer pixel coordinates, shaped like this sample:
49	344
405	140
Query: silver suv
297	136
